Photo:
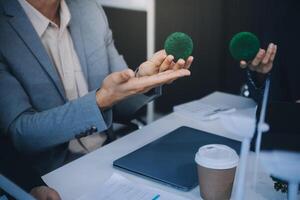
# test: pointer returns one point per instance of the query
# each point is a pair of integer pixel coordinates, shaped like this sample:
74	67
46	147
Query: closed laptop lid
170	159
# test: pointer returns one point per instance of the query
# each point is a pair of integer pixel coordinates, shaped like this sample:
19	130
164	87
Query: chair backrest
13	190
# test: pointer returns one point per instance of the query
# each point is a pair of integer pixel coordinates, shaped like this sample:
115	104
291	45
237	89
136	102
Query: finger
272	58
171	81
259	70
259	57
127	74
162	51
166	64
179	64
172	65
266	69
146	83
166	82
268	54
158	58
53	195
257	60
147	89
243	64
161	78
123	76
189	62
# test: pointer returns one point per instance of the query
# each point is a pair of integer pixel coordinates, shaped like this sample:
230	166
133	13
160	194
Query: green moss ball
179	45
244	46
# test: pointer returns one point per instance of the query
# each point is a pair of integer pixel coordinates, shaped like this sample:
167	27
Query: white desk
88	172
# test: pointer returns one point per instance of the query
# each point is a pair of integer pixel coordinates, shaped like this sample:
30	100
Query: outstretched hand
263	62
161	62
120	85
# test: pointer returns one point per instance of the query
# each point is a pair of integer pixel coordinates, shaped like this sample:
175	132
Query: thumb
243	64
124	76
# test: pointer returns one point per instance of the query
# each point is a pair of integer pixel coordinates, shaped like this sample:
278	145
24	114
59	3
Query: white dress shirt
59	46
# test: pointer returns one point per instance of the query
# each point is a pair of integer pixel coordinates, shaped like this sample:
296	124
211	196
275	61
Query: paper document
216	105
118	187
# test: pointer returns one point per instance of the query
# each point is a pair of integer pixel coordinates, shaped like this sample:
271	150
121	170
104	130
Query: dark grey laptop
170	159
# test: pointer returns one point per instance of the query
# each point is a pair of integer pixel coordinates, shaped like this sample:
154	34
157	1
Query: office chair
12	190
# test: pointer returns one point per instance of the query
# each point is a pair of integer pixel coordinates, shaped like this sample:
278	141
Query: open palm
161	62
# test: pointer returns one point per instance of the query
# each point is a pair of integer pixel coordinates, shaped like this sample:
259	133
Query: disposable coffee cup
216	171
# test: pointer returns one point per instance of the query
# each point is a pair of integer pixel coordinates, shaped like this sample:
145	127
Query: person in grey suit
61	75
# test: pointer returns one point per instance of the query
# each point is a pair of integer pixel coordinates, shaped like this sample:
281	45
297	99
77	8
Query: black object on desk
170	159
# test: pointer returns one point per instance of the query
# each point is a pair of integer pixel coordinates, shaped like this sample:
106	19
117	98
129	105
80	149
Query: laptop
170	159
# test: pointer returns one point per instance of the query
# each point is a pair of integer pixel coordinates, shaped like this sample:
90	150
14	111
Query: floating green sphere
244	46
179	45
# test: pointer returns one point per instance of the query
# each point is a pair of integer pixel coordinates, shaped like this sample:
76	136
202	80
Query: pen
156	197
216	113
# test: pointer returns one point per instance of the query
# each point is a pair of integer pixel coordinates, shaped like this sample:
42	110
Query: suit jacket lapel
21	24
76	34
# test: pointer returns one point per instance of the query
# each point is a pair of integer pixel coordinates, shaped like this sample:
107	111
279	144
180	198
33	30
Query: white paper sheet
216	100
118	187
240	122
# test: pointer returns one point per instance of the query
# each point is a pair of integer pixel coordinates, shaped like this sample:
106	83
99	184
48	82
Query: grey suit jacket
34	111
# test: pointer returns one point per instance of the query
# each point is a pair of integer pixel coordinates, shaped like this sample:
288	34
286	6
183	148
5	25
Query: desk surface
89	172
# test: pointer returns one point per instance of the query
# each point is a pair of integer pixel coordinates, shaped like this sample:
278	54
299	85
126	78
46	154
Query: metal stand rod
239	194
150	48
261	128
150	112
261	124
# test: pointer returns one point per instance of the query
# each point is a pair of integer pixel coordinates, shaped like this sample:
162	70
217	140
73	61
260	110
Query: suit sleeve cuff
92	113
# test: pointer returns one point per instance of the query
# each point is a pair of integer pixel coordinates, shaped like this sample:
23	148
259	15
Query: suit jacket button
94	129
